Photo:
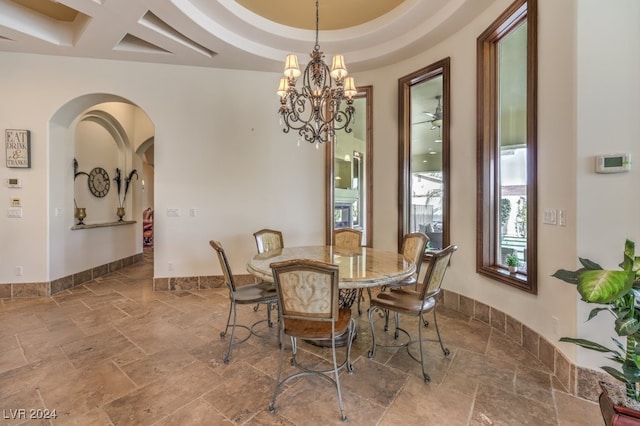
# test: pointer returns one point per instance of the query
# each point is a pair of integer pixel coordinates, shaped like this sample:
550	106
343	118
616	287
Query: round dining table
359	267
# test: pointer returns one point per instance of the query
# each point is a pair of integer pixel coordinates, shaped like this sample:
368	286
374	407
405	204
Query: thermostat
613	163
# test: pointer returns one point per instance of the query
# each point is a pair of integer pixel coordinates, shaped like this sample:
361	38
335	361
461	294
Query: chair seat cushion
306	329
405	301
255	293
409	281
266	285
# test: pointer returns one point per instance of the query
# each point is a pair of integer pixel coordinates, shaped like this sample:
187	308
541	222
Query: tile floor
115	352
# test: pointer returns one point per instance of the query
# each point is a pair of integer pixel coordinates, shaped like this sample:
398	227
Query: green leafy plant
511	260
505	211
618	290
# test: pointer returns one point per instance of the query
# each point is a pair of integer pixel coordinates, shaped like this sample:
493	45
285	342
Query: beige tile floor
115	352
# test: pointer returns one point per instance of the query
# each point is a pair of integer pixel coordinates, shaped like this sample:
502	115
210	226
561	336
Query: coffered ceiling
239	34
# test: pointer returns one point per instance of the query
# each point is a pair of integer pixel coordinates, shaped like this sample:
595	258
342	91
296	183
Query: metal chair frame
263	245
414	303
296	321
242	295
417	256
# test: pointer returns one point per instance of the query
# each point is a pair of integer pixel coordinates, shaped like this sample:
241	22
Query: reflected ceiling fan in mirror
435	117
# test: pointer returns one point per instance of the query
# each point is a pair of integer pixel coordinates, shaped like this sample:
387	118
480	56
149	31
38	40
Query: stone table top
358	267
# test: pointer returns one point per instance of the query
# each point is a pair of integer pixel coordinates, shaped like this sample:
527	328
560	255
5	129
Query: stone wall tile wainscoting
578	381
40	289
198	283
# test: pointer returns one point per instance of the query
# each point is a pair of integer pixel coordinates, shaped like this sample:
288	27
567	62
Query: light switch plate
14	212
562	218
549	217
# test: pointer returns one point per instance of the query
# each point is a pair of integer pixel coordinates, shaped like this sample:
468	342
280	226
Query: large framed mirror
423	170
349	171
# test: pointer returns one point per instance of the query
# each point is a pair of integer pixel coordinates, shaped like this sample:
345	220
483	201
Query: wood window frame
438	68
488	151
365	92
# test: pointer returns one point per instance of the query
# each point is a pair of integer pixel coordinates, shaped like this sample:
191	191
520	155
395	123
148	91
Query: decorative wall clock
99	182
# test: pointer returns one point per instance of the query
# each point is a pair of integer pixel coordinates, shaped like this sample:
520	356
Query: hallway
115	352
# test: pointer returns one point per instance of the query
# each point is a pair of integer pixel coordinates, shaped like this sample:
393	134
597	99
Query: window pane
507	147
512	140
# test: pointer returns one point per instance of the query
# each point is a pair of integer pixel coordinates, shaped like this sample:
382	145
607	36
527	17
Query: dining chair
308	309
347	237
351	238
268	239
415	303
413	248
242	295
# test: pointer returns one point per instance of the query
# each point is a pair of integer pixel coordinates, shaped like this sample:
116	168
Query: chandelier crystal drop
315	111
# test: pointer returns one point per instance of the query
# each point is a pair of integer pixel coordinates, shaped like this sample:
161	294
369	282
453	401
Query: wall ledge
102	225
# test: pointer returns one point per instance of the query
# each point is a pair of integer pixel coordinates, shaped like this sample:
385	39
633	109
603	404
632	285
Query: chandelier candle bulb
338	69
282	88
350	88
291	68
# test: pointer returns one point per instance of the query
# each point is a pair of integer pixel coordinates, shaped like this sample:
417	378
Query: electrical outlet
19	271
170	266
173	212
193	212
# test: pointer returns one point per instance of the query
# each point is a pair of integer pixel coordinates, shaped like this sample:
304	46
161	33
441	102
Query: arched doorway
106	131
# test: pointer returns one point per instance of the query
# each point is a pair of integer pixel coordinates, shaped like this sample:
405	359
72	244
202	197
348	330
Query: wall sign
18	147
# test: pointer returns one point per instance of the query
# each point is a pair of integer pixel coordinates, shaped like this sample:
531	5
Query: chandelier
315	111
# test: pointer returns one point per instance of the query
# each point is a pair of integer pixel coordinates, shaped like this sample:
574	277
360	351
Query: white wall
608	120
219	149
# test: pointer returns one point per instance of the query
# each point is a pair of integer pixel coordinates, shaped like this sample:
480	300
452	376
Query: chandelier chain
317	46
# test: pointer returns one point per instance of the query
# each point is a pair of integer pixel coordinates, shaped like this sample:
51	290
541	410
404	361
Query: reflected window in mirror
424	154
349	166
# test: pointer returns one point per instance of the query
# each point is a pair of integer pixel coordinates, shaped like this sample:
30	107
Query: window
423	172
349	167
507	153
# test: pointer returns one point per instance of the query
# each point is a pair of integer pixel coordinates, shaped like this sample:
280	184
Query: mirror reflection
425	213
351	158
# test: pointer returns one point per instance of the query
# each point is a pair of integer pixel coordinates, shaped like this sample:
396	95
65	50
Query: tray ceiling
242	34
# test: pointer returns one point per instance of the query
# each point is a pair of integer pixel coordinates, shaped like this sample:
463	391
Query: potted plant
512	262
617	291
